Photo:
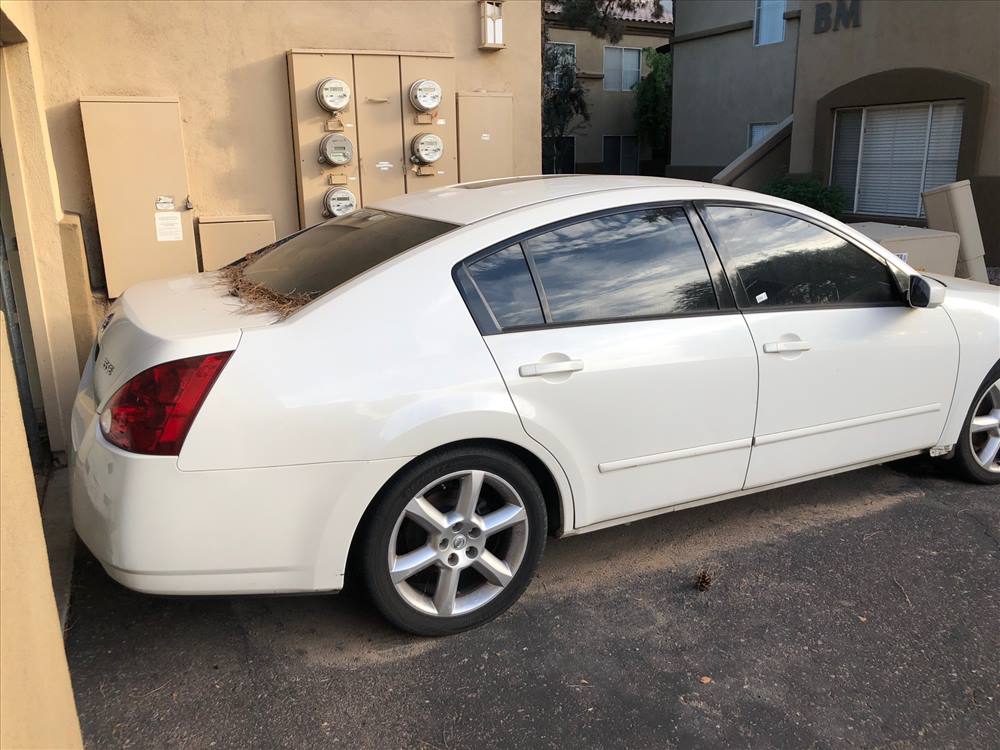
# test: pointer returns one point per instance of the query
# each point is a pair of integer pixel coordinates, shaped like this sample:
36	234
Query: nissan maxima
422	391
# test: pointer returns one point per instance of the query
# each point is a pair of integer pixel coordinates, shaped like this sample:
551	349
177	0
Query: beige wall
959	36
611	112
226	63
34	206
36	698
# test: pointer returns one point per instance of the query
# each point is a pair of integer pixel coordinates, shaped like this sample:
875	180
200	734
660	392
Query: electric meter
335	149
333	94
426	148
338	201
425	95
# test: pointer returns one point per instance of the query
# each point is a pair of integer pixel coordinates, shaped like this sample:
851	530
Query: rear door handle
777	347
548	368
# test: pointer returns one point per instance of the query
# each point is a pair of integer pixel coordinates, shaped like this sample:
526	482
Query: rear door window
634	264
504	281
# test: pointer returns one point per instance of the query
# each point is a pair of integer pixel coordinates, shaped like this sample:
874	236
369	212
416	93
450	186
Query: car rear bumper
161	530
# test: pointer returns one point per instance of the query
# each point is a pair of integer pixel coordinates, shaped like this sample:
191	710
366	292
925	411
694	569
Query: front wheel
977	454
454	541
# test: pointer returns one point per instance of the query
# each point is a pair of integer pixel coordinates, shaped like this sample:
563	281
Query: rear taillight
153	412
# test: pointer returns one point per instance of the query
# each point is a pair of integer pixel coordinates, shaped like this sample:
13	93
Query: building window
769	22
621	68
758	131
560	58
558	154
621	154
885	157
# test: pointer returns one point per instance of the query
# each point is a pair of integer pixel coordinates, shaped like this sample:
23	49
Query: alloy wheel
458	543
984	429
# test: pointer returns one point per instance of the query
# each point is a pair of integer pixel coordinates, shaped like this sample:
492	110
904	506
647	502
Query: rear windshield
327	255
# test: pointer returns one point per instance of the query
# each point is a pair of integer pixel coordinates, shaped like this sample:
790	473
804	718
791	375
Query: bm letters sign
842	14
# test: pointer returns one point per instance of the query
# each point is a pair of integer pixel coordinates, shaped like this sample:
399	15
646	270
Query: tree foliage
564	101
653	97
603	18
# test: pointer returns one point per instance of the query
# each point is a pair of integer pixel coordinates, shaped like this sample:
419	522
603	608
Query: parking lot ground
856	611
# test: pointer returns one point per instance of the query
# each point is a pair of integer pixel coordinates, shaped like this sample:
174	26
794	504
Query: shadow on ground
856	610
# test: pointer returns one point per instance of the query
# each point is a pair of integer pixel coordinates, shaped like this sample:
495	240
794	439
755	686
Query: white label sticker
762	297
485	136
165	203
442	121
383	166
905	257
168	226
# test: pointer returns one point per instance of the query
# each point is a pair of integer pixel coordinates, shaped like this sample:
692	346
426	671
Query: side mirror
925	292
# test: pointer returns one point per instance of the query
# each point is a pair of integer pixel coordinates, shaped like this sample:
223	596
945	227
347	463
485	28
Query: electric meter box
923	249
377	117
224	239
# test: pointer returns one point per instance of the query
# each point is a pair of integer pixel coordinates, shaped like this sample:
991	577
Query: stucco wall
36	699
611	112
226	63
723	82
959	36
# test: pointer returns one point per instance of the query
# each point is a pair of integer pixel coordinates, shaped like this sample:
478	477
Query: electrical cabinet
312	122
485	135
139	176
379	126
224	239
440	121
399	118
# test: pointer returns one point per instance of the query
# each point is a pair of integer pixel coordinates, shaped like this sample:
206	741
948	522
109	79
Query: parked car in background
475	368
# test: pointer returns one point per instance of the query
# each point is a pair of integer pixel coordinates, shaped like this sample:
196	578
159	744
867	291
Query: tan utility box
951	207
137	169
485	135
924	249
228	238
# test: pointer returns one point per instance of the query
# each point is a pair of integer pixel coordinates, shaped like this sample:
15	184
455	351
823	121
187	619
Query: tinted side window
779	260
505	283
634	264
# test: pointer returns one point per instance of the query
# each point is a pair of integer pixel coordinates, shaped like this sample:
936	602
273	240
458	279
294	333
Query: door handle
549	368
778	347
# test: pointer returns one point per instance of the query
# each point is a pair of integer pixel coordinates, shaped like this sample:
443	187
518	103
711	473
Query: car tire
454	540
976	457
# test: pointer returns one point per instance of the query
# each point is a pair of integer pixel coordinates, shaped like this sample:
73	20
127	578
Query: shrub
829	199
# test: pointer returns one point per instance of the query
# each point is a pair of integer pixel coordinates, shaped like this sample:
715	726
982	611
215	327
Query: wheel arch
556	493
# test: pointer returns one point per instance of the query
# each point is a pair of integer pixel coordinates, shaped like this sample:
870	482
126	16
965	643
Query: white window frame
566	44
760	122
853	208
756	24
619	136
621	81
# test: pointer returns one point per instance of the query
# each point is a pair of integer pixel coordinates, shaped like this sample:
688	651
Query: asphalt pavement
855	611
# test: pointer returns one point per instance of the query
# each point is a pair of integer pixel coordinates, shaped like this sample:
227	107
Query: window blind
896	153
847	142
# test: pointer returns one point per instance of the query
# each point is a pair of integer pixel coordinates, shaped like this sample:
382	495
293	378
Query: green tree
564	103
653	97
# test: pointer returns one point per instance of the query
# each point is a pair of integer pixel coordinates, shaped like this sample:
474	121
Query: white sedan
457	374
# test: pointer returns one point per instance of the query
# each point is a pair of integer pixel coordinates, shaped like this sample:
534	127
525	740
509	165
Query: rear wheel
454	541
977	454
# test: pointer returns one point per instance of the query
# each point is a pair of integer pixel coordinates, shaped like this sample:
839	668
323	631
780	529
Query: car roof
469	202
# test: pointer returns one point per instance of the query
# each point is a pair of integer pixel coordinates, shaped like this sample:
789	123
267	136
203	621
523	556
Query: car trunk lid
160	321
